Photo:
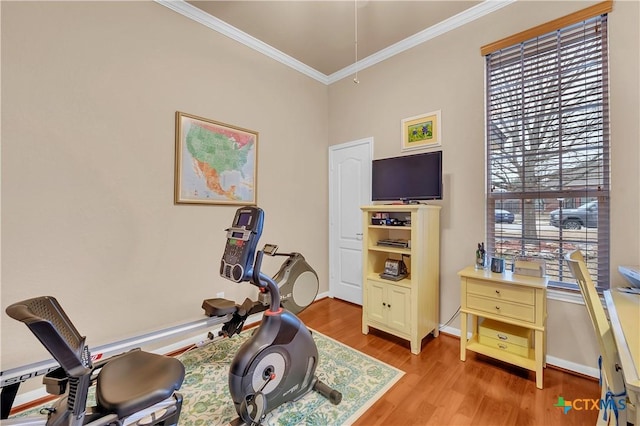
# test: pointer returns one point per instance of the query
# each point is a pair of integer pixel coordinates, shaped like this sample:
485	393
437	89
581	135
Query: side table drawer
504	346
499	291
508	333
500	307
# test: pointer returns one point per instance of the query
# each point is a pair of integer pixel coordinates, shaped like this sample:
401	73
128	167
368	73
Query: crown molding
195	14
462	18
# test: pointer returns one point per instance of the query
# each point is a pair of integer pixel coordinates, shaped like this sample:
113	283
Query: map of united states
221	162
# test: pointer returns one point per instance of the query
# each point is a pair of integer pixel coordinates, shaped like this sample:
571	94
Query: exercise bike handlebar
291	254
264	281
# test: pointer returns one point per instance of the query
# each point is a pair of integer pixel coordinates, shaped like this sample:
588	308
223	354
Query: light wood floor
439	389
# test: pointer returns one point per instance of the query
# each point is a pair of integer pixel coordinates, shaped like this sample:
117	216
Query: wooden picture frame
216	163
421	131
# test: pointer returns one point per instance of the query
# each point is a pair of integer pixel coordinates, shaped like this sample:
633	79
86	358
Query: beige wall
447	74
89	93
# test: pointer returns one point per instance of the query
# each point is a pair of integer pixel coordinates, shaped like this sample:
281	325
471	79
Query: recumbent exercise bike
133	388
278	362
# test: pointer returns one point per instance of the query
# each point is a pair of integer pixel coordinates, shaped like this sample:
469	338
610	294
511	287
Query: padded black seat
125	384
137	380
218	307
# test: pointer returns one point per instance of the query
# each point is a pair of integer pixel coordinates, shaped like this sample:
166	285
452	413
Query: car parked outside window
585	215
504	216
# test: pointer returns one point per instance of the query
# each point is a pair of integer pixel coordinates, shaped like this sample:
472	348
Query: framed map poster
216	163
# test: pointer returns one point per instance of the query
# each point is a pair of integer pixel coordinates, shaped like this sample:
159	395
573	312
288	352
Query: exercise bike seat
137	380
219	307
125	384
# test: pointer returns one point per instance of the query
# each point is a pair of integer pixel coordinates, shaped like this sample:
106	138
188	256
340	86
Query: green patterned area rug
360	378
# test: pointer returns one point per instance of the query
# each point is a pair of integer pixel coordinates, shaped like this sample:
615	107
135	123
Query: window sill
569	293
565	295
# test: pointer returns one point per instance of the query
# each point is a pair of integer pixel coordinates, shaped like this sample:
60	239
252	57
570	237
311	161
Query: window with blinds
548	150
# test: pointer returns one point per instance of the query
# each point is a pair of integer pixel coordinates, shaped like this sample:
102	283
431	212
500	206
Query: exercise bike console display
242	238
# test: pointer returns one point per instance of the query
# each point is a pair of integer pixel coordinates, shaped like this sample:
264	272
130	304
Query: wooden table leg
539	350
463	336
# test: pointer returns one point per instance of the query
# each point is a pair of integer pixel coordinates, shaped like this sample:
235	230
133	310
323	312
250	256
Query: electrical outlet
220	295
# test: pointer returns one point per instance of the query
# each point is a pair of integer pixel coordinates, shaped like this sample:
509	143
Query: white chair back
613	382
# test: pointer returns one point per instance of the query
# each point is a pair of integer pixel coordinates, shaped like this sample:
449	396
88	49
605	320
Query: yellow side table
509	299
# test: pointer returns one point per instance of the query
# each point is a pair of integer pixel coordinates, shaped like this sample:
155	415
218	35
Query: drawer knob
497	307
497	291
502	337
502	346
384	304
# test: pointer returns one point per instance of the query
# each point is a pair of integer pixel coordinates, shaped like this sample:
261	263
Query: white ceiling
319	37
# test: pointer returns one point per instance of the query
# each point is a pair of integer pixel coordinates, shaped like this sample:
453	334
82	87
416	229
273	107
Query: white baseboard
322	295
450	330
27	397
572	366
551	360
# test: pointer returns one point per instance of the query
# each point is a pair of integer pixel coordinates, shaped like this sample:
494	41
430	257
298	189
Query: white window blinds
548	149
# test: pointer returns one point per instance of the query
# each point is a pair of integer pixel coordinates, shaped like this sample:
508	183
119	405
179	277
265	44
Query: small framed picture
421	131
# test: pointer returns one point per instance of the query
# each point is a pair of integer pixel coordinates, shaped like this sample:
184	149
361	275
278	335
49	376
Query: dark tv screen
406	178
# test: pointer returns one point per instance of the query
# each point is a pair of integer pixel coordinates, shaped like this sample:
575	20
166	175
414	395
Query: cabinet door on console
399	303
375	309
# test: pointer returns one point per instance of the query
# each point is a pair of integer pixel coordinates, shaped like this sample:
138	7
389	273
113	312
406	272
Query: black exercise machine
278	362
135	387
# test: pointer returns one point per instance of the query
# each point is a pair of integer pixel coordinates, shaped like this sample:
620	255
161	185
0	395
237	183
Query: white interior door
349	189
